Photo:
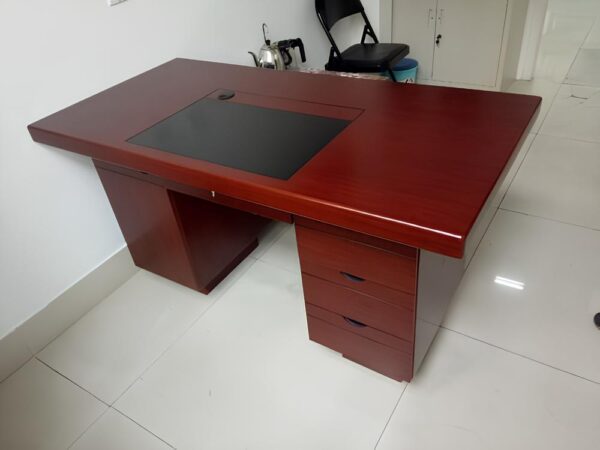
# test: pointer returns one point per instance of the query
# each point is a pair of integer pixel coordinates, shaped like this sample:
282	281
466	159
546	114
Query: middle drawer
359	308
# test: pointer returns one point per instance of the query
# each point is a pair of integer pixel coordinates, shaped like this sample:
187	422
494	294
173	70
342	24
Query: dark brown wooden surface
351	258
218	238
415	167
384	293
147	220
354	305
186	239
374	355
368	332
383	244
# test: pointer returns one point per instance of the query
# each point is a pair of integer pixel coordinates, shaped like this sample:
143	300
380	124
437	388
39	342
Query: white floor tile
574	114
115	342
544	88
246	376
589	8
551	318
560	180
586	68
471	396
563	36
269	237
39	409
593	39
284	252
113	431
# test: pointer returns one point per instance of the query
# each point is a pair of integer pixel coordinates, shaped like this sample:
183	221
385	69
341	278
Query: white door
413	23
471	40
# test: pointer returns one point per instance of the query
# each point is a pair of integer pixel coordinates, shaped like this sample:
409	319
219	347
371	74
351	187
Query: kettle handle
300	45
265	29
293	43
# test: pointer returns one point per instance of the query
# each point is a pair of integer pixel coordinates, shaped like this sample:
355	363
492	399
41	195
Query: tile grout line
118	411
214	302
124	415
558	369
390	417
550	219
86	313
108	407
94	422
587	35
34	355
565	83
568	138
564	80
71	381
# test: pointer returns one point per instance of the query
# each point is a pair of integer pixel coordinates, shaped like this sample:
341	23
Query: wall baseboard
38	331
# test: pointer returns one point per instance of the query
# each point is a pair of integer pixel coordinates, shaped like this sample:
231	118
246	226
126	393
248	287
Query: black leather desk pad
266	141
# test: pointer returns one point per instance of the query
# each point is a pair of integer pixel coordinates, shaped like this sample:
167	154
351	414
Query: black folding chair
363	57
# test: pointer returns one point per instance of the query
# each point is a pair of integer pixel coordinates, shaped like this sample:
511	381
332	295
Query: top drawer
355	261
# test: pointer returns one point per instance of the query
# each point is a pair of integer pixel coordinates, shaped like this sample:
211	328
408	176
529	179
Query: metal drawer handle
352	278
354	323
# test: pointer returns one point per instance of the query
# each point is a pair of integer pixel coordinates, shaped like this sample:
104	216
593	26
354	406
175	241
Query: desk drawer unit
358	307
347	324
360	298
355	262
366	352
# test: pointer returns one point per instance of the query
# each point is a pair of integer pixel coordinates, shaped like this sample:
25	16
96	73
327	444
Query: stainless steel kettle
276	55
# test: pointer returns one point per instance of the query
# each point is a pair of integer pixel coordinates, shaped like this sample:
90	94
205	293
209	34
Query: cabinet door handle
438	39
354	323
352	278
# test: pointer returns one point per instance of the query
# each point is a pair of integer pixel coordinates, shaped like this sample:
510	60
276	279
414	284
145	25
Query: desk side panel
147	220
439	276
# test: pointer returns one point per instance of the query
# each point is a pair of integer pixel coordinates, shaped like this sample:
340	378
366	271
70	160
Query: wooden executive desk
388	213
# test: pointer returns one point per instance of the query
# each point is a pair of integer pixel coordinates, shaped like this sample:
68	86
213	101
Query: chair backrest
331	11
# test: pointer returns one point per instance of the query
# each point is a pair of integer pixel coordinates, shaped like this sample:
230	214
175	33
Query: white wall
516	21
55	222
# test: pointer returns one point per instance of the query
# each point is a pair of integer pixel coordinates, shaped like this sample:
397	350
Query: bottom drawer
370	333
378	357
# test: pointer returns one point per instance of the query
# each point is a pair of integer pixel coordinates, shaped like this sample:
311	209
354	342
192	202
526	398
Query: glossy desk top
416	164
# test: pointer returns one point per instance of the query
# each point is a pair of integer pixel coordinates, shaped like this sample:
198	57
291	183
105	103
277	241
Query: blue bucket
406	71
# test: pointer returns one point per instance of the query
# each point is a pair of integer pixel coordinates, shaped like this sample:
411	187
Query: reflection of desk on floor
390	187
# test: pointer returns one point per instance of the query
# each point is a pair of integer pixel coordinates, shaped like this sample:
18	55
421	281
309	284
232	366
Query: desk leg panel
217	237
185	239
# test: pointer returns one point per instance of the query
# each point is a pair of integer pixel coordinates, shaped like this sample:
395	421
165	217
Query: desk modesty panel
390	187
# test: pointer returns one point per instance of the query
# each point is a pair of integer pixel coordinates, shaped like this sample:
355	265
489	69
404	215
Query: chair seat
369	57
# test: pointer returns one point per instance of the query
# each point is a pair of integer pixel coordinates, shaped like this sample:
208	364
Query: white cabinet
414	24
460	42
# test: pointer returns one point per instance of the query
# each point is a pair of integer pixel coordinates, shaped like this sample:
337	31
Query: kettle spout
256	63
